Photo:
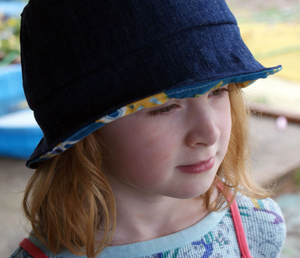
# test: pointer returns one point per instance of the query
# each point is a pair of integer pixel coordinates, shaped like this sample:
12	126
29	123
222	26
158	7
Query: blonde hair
235	169
68	199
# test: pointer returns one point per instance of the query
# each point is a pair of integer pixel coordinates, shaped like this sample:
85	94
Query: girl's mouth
198	167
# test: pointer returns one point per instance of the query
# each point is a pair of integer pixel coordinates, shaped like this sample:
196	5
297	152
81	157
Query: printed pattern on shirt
263	225
264	229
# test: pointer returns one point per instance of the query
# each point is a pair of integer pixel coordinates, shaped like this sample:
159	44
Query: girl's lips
199	167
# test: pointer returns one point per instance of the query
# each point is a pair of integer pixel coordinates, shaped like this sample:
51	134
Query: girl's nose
202	125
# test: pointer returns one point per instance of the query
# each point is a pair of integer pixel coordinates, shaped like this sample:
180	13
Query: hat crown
84	59
62	41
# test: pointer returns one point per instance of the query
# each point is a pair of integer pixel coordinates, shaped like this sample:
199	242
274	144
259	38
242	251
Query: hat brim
187	64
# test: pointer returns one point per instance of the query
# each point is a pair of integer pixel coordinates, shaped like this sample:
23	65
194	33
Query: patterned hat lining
153	101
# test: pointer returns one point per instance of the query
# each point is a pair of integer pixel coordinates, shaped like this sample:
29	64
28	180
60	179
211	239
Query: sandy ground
13	179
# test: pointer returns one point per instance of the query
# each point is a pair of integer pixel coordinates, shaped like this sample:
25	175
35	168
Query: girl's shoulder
32	248
264	225
264	210
20	253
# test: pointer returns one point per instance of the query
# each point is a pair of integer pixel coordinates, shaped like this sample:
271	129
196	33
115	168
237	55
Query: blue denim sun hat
86	63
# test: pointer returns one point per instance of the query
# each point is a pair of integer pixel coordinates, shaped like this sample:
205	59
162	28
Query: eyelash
220	91
164	111
167	110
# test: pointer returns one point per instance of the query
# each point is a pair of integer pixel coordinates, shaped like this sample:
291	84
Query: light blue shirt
213	236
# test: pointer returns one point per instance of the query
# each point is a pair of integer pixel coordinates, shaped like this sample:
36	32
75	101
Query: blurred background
270	28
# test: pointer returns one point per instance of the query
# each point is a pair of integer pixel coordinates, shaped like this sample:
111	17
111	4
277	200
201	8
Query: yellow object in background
274	44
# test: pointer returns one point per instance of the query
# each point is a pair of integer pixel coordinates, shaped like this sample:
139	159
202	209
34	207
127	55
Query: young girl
144	151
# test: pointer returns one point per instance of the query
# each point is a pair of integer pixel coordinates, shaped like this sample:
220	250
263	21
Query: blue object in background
19	133
12	97
12	8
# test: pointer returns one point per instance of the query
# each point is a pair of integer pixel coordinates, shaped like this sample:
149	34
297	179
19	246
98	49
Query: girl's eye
163	111
219	92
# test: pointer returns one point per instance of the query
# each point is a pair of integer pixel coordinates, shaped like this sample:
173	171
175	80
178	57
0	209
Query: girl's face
171	150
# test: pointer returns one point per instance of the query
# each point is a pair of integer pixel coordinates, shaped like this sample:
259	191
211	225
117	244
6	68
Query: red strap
238	225
32	249
239	230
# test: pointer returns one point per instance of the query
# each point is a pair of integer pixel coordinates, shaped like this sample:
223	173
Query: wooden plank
259	109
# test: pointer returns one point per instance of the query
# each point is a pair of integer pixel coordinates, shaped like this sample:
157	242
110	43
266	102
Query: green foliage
9	39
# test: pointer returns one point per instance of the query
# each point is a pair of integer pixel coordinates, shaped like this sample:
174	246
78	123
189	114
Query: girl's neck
140	221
